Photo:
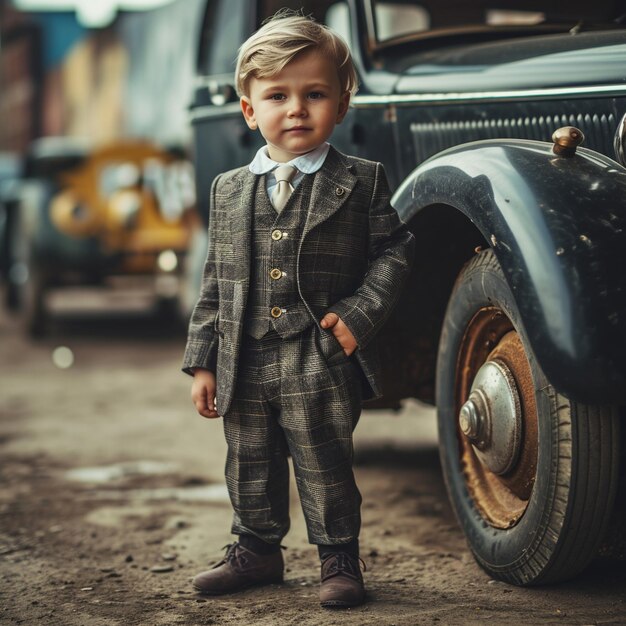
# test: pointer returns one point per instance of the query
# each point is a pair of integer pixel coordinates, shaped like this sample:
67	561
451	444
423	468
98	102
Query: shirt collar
307	163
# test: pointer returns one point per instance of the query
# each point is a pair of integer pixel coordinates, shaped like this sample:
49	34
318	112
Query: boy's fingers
198	396
206	406
211	408
204	401
201	406
345	337
210	401
329	320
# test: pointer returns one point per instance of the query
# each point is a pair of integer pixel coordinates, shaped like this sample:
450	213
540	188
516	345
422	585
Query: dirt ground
112	497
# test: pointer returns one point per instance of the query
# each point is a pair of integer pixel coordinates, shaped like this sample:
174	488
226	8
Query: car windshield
402	19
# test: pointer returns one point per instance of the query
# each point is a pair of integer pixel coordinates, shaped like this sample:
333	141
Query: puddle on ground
119	515
118	471
205	493
110	473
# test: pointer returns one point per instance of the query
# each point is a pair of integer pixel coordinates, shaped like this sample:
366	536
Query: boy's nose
297	109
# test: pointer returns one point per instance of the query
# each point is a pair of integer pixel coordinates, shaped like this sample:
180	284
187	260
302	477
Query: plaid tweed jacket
353	257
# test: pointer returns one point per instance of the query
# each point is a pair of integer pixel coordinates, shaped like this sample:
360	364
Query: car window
398	18
394	19
333	13
227	25
226	29
338	18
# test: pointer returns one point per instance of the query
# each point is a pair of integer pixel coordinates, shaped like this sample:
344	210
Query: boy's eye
277	96
316	95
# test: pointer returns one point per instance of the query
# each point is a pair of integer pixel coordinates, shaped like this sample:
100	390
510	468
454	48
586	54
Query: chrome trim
234	109
619	143
554	92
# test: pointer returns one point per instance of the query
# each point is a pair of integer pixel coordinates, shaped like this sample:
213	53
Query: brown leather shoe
239	569
342	581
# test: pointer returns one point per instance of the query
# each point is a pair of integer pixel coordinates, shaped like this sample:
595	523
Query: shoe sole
206	592
340	604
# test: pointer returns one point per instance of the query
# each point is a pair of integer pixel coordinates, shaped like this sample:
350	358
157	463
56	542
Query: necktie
284	189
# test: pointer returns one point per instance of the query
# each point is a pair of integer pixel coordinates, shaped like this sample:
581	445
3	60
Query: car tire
8	210
530	473
30	280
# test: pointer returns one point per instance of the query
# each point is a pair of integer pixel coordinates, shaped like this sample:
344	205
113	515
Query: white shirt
308	163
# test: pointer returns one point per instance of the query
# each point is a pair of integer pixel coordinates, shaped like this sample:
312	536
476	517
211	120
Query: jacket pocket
331	348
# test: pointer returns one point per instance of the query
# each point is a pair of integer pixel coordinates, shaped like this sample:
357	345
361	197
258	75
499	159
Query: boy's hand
341	331
203	392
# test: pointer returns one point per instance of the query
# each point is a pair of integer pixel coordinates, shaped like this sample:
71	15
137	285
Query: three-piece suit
284	384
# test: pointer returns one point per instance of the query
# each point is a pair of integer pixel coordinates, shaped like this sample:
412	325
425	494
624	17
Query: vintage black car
514	319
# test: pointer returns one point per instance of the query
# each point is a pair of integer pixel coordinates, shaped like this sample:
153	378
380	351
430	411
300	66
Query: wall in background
132	79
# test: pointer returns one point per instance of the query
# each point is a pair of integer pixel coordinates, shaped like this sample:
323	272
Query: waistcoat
273	300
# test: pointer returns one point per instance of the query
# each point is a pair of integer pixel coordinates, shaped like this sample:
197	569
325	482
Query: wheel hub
501	475
491	417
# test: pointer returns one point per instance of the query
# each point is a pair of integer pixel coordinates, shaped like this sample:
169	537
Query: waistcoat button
275	273
277	234
340	191
276	311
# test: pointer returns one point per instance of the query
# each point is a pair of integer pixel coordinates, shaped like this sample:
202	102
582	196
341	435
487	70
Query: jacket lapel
333	185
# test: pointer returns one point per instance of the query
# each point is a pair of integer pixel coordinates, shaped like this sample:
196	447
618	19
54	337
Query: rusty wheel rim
502	497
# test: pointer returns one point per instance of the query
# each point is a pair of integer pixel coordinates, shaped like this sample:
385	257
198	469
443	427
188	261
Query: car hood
584	59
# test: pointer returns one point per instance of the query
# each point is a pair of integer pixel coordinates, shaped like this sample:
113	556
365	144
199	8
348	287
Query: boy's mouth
296	129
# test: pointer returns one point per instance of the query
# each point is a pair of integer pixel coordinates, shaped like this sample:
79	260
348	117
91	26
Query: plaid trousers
300	396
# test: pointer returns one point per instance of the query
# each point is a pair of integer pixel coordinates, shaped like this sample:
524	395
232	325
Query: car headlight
71	216
167	261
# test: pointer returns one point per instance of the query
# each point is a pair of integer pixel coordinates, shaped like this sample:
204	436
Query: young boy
304	265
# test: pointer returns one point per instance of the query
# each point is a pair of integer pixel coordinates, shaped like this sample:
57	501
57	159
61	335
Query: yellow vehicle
89	217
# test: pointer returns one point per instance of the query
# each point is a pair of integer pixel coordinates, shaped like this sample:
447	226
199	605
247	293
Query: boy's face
297	109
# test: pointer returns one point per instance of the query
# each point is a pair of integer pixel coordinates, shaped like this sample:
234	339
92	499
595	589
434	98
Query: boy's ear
248	112
344	103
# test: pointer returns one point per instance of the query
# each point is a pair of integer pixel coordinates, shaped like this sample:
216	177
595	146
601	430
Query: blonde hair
280	39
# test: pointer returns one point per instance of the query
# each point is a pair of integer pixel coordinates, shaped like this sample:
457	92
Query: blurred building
21	77
130	79
162	47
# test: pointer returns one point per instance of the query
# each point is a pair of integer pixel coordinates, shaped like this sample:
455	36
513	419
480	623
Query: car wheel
30	279
7	219
530	473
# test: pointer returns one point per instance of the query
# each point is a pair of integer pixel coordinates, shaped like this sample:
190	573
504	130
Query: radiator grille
431	137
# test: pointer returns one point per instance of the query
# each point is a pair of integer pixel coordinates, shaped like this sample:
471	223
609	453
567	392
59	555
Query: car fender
558	228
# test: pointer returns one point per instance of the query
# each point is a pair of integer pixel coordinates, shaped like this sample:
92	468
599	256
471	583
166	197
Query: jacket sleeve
202	336
390	255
